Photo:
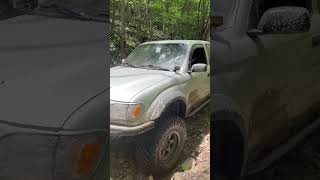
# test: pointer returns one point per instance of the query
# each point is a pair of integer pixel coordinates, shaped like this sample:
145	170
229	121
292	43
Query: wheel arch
176	106
231	136
168	100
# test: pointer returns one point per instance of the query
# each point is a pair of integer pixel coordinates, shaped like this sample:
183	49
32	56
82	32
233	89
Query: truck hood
49	67
126	82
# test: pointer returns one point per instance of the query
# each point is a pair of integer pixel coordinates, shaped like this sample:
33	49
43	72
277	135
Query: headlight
50	157
124	112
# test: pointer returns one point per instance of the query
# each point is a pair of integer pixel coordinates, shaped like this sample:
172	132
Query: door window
198	56
258	7
253	16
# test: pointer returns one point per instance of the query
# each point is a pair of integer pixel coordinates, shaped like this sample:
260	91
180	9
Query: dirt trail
195	160
301	163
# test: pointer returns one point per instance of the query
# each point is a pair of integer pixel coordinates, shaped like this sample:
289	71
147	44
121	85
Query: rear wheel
160	150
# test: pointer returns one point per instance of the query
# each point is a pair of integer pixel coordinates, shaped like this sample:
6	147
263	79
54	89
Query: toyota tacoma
155	88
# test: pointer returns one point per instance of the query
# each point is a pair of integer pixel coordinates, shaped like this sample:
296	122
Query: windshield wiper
130	65
156	67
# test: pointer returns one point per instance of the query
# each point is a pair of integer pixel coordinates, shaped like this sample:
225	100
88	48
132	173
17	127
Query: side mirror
283	20
199	67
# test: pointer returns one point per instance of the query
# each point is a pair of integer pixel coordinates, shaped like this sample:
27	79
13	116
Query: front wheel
160	150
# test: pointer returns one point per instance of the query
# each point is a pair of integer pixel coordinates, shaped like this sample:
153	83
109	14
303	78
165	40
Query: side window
198	56
259	7
267	4
309	6
264	5
253	16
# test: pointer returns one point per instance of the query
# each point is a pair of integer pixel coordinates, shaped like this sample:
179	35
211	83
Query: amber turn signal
88	157
136	111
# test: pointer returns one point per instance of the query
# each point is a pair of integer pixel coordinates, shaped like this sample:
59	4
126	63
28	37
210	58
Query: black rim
169	146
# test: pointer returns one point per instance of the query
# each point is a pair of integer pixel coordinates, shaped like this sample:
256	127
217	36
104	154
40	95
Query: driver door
278	75
199	81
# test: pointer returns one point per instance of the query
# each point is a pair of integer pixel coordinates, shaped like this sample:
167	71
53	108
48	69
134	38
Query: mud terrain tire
159	151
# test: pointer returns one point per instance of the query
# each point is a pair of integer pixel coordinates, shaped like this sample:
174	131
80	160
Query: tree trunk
199	9
123	29
150	26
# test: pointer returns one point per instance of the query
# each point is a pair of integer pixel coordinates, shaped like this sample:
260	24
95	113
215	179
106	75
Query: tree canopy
136	21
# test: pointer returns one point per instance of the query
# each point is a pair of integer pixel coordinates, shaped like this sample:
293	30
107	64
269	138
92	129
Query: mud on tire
159	150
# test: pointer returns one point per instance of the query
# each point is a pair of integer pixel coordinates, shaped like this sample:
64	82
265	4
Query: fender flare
162	101
223	103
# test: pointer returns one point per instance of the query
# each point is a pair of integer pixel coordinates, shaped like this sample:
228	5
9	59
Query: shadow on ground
124	167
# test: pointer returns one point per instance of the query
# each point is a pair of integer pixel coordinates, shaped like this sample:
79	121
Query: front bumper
121	131
46	150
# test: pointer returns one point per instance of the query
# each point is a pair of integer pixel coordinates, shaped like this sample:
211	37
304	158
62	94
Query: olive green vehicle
158	85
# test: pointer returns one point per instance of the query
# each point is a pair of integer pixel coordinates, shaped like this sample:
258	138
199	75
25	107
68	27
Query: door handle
315	41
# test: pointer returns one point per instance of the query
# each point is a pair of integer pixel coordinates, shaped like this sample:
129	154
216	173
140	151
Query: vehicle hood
126	82
49	67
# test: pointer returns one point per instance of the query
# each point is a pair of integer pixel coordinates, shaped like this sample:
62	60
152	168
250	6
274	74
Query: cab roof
189	42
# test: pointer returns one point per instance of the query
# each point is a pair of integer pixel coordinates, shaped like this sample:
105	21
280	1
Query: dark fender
93	114
223	103
226	109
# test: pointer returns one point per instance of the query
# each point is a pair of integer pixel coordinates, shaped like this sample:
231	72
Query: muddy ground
194	163
301	163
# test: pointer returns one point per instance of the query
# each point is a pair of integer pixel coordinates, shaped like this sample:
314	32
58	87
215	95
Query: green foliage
137	21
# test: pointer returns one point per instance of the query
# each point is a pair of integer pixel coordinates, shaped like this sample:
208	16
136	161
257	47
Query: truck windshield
164	56
81	9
